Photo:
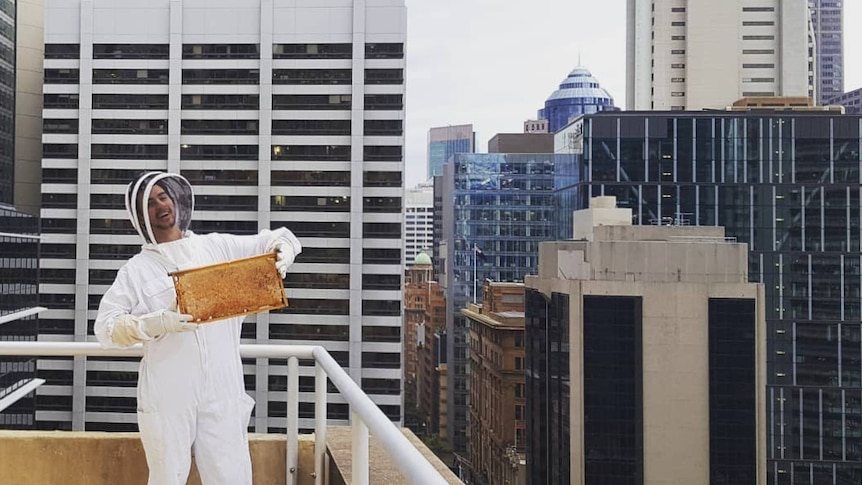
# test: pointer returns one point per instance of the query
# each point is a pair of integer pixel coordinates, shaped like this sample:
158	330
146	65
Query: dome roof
422	259
580	83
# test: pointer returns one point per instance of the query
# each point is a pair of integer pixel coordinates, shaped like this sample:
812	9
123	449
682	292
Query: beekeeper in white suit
191	394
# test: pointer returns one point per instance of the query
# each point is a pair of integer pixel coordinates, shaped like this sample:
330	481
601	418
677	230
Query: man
191	393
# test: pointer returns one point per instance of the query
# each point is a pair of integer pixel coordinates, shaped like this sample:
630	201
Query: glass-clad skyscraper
788	185
827	18
496	209
445	141
19	263
7	101
578	94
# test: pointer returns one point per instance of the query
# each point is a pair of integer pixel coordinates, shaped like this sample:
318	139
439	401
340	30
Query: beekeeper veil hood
138	192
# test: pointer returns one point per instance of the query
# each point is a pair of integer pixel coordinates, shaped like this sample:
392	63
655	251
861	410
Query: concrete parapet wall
98	458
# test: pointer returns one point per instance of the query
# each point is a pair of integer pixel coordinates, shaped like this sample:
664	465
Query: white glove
166	321
286	248
129	329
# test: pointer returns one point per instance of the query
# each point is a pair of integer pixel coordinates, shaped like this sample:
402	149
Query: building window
221	101
381	204
758	23
677	9
101	151
310	178
758	37
381	179
677	79
129	127
69	126
384	128
221	51
130	76
311	76
677	24
311	101
61	76
758	9
131	51
677	94
218	152
758	51
759	66
677	65
219	127
60	150
130	101
311	127
375	102
384	51
62	51
312	51
221	76
384	76
329	153
60	101
677	37
386	153
758	79
677	51
309	204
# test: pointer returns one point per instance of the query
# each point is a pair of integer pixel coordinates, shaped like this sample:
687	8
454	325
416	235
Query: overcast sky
492	63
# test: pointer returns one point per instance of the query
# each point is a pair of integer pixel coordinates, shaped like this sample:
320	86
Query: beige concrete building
663	340
690	55
29	54
496	425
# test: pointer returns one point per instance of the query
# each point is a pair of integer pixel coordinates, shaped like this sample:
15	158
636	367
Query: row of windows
278	178
139	151
124	252
226	51
224	76
373	102
225	127
341	230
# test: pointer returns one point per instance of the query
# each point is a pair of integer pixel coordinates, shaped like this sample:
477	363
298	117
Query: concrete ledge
98	458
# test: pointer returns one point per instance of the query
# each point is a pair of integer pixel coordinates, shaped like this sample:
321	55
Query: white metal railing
366	415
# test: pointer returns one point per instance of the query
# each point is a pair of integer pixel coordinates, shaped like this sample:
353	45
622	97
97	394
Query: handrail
409	460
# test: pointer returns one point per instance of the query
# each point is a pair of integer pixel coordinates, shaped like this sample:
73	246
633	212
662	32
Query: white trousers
216	431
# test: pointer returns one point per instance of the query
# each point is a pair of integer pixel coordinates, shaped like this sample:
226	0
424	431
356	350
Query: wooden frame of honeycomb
231	289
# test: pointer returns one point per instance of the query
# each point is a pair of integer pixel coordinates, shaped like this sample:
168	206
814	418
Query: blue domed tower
578	94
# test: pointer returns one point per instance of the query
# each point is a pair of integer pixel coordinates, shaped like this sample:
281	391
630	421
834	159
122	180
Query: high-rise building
424	319
851	100
788	185
497	421
578	94
19	273
418	222
691	55
496	208
445	141
7	102
279	114
30	36
827	18
646	355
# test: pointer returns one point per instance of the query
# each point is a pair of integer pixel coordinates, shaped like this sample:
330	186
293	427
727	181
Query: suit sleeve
117	301
237	247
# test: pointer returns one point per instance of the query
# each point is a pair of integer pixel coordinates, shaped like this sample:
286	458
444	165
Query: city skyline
486	74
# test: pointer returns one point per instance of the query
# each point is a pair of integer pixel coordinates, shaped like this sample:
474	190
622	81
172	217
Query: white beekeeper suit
191	393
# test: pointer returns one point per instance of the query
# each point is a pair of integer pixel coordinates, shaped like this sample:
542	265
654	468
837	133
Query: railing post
292	419
319	422
359	470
